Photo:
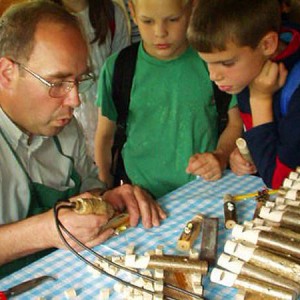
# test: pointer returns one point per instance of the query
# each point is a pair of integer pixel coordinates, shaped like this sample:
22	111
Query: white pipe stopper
294	176
222	277
238	250
240	233
296	185
271	215
230	263
288	182
291	194
238	230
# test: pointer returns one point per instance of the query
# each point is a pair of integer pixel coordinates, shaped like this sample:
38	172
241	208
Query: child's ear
7	68
269	43
132	11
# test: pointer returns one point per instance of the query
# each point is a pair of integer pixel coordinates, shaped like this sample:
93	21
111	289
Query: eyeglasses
61	88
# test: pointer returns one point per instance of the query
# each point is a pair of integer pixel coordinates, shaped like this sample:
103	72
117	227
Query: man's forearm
25	237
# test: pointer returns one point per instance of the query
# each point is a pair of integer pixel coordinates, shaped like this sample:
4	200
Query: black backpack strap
123	74
222	101
122	81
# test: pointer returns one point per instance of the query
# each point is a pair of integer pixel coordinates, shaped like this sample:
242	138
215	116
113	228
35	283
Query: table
181	205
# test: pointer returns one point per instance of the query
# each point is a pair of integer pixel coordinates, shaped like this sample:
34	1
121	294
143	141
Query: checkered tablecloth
181	205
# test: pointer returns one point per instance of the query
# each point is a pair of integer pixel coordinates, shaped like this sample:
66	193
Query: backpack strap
291	84
122	79
222	101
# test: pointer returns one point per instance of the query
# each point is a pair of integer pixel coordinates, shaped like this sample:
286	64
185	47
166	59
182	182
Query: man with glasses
61	88
43	67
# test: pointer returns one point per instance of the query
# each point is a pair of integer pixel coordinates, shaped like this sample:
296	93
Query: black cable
95	253
82	258
59	225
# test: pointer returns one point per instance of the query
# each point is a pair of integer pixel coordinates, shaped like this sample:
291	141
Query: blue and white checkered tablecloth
181	205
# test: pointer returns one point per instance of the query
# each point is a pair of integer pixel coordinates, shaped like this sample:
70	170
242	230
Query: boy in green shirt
171	130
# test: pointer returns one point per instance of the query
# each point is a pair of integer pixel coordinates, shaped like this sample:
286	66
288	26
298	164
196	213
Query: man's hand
207	165
138	203
239	165
86	228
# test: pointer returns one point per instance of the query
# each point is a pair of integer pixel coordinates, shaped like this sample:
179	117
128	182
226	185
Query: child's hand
239	165
205	165
271	78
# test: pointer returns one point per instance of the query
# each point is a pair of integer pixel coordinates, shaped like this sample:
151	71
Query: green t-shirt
171	116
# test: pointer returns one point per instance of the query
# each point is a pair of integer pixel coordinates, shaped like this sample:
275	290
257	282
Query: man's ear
132	11
269	43
7	72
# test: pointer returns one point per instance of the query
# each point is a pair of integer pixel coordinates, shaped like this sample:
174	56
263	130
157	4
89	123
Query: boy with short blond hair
248	54
171	129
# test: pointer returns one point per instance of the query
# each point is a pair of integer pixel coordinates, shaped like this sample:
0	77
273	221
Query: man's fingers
150	210
157	214
145	208
134	214
161	213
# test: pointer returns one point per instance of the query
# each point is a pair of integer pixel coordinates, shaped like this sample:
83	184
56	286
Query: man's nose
72	99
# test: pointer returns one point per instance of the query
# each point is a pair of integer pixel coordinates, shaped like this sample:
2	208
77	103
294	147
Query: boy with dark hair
248	54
